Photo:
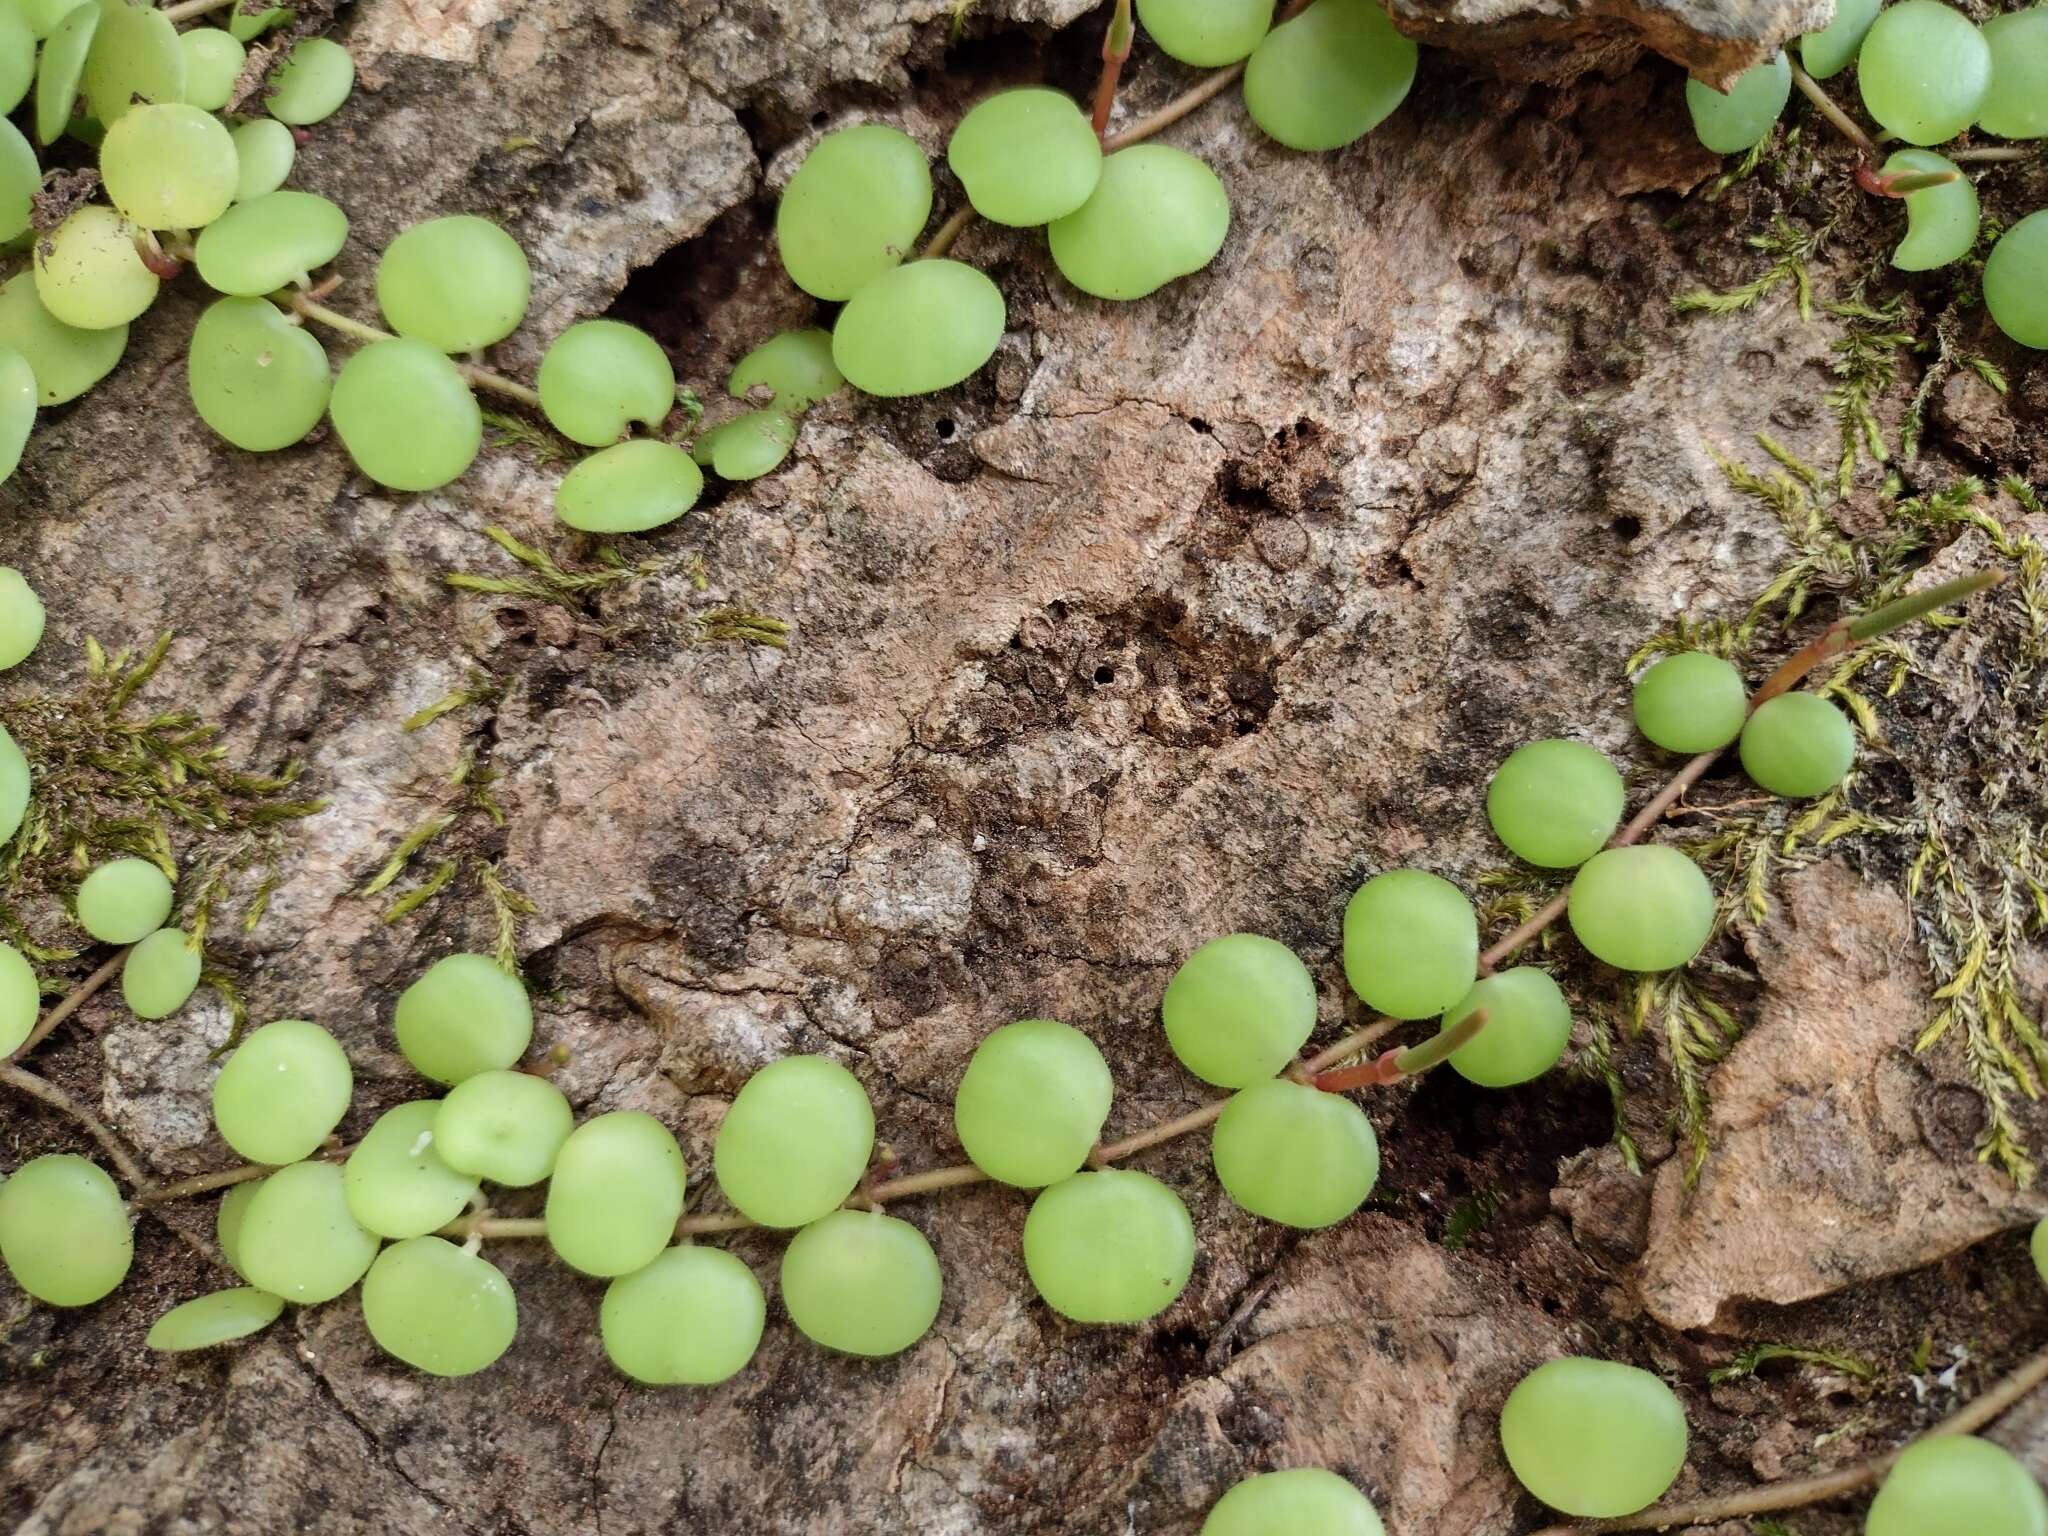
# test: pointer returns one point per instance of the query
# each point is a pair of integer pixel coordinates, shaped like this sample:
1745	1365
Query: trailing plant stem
1152	123
943	237
71	1002
1994	153
1825	104
1116	47
1203	91
50	1094
335	320
206	1183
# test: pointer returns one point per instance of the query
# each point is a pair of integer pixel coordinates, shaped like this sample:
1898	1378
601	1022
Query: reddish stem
1383	1069
154	257
1391	1066
1899	183
1116	47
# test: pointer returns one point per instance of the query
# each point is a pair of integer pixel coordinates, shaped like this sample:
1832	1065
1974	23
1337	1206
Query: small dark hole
1105	674
1056	608
944	427
820	119
1626	527
1246	727
1200	425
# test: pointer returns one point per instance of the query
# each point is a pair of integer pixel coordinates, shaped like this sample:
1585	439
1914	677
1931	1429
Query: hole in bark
1200	425
1626	527
944	427
715	295
1105	674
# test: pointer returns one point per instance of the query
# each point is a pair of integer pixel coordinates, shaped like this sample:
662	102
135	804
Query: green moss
541	445
744	626
1865	364
1789	248
1596	1060
548	580
459	825
1470	1214
1746	1363
478	690
1970	839
1696	1032
110	780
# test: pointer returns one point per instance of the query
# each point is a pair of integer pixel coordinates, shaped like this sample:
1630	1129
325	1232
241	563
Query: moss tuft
107	780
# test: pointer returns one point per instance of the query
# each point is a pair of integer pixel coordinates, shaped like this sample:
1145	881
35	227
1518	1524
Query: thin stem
1116	47
47	1091
925	1183
1801	1491
1165	117
1353	1043
71	1002
1849	128
206	1183
1833	641
1994	153
1165	1131
1392	1066
1900	183
185	10
335	320
1439	1047
1206	89
161	263
1521	934
466	1227
943	237
498	384
716	1222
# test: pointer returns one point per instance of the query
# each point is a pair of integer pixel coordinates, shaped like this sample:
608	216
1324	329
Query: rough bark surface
1182	617
1555	39
1826	1181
